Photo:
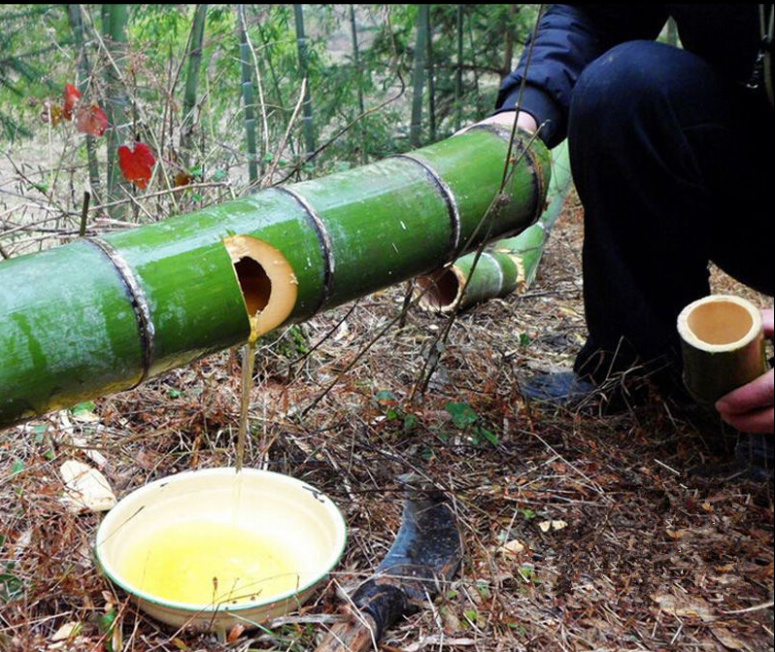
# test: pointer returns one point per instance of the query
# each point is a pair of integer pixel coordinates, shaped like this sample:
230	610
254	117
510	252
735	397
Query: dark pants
674	167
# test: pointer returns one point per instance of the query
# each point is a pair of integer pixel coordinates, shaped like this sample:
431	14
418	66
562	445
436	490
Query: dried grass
652	558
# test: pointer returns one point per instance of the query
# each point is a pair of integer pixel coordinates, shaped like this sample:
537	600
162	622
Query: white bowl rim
213	609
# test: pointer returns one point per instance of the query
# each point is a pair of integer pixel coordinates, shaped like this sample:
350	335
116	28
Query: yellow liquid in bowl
212	564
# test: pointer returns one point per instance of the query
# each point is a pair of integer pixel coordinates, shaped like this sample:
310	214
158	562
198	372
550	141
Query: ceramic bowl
198	518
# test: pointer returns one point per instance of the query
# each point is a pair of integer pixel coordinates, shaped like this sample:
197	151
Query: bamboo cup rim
719	323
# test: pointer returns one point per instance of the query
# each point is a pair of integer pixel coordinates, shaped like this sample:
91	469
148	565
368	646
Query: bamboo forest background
232	96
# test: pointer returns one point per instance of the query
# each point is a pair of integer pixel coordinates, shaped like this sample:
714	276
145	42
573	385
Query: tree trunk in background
192	81
474	66
418	74
248	97
431	82
508	49
301	42
114	21
85	72
459	71
359	82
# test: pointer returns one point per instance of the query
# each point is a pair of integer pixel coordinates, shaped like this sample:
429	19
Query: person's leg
674	167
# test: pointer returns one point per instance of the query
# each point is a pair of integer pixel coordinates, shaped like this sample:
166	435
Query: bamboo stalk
85	71
359	84
114	22
196	39
459	69
418	74
722	343
103	314
507	266
431	81
247	96
301	43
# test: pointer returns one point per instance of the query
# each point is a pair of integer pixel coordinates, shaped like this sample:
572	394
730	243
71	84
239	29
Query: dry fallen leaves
86	489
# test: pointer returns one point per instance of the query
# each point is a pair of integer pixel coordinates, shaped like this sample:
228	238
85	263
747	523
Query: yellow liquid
209	563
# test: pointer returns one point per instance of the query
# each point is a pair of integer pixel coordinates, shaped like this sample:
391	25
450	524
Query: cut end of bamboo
267	280
441	291
719	323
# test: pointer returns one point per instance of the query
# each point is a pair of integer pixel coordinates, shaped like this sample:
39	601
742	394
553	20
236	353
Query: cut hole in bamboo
267	281
440	291
256	285
722	344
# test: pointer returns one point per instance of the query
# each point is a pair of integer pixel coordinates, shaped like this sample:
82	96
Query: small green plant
467	420
289	344
11	586
527	573
527	513
483	588
389	403
519	628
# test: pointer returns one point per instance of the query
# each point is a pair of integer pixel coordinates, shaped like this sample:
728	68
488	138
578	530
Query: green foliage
361	105
288	344
11	586
394	413
467	420
30	41
527	574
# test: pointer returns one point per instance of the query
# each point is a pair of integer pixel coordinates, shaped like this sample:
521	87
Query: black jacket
570	37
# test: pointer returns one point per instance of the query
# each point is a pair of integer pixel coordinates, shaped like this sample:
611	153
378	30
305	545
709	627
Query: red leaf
92	121
136	165
72	95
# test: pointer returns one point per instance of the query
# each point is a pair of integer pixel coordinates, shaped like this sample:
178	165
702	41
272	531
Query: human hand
750	408
506	118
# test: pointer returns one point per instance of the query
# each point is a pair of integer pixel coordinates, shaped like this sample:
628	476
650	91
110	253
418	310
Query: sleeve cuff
542	107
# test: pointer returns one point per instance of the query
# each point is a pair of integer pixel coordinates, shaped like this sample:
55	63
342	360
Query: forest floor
582	531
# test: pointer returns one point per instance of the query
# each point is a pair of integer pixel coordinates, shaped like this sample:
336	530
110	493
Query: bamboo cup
722	343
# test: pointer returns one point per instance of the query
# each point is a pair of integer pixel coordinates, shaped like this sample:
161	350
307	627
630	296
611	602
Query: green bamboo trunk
102	314
508	265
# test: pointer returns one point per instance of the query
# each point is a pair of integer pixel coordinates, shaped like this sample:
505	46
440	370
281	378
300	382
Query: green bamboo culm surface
101	315
505	266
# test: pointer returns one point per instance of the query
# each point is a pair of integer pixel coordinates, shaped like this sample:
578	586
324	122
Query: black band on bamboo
522	149
325	243
449	199
139	303
541	183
